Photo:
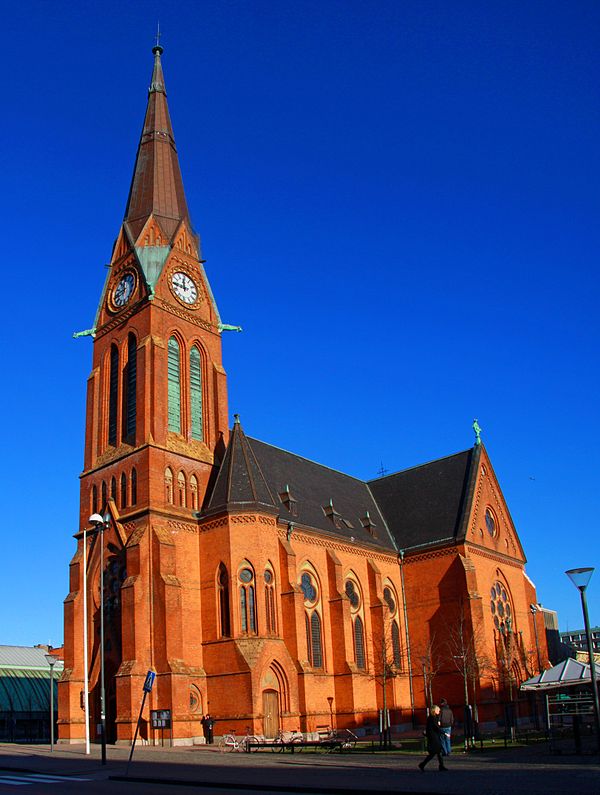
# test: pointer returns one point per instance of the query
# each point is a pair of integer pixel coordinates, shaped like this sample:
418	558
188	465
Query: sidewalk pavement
530	770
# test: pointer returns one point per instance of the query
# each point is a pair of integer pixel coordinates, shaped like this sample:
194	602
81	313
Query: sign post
149	681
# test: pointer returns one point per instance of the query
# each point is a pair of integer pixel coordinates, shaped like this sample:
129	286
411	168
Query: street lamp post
51	659
580	579
330	702
100	523
535	609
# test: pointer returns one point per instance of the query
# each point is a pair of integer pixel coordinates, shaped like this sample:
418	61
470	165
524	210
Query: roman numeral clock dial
123	291
184	288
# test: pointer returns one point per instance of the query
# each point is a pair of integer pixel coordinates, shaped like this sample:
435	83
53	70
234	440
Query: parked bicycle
283	738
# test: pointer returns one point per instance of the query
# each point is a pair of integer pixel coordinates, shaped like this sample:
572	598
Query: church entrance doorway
270	713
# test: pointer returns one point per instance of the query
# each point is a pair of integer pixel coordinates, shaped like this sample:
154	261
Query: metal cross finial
158	34
477	429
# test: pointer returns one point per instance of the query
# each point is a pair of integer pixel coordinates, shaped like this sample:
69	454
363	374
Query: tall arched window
113	488
194	492
223	587
129	389
353	593
359	643
123	490
104	495
94	499
134	486
113	394
169	486
196	393
247	600
396	645
315	648
314	645
271	624
181	490
174	385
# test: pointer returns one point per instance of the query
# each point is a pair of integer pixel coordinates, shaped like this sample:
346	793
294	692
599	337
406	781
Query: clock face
123	290
184	287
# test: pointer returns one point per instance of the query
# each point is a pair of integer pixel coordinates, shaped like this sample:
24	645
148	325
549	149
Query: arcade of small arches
122	491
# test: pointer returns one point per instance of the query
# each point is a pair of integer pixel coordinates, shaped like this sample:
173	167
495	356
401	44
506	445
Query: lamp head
51	660
96	519
580	577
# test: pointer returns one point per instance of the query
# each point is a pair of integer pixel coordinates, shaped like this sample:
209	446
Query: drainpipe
410	675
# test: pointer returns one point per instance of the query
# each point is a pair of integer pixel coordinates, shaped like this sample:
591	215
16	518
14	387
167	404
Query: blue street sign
150	677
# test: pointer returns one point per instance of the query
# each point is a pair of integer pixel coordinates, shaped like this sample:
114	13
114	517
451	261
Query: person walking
207	726
446	724
433	732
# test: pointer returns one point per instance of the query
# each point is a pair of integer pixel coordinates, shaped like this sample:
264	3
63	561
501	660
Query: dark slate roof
240	482
424	505
428	503
256	474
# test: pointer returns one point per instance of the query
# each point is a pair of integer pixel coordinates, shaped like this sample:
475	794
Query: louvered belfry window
196	393
174	386
129	388
113	394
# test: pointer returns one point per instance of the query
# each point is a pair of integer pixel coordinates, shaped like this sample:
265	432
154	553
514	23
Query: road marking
37	778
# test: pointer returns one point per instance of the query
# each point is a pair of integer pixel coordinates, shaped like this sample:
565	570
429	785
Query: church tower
156	426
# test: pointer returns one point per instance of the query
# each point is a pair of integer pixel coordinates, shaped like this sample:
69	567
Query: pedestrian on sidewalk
208	723
446	724
433	732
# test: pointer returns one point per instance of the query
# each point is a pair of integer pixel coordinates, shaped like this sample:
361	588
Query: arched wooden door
270	713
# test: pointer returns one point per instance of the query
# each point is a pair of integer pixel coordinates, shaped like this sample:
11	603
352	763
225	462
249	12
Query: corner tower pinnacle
156	187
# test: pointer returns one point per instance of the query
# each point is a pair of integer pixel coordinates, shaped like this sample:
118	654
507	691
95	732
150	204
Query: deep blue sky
398	201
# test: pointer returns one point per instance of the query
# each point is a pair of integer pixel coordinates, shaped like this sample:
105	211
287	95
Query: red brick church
266	589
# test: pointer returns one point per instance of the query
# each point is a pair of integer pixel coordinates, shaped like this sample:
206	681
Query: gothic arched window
270	621
104	495
174	386
113	488
94	499
223	589
129	390
123	490
247	600
169	486
181	500
134	486
113	394
396	645
194	492
359	643
196	393
314	644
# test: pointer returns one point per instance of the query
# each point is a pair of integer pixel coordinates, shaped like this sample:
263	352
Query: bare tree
465	646
386	667
431	663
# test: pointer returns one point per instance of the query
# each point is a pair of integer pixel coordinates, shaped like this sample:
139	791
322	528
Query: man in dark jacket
207	726
446	724
433	732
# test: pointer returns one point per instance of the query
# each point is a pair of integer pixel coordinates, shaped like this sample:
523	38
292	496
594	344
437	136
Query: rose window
500	607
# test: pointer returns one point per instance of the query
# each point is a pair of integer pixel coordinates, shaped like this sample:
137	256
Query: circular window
308	588
352	594
500	607
389	599
246	575
490	522
268	576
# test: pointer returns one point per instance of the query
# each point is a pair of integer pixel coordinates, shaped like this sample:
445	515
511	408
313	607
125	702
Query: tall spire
157	186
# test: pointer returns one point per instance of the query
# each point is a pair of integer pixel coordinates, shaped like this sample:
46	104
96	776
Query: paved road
518	771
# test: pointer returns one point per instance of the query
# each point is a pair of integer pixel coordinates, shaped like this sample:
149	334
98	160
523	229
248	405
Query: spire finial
236	419
477	429
157	48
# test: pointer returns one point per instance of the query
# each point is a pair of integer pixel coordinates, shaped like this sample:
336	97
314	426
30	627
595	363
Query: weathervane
477	429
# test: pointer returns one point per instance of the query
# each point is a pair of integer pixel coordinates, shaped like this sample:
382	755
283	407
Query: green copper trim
477	429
